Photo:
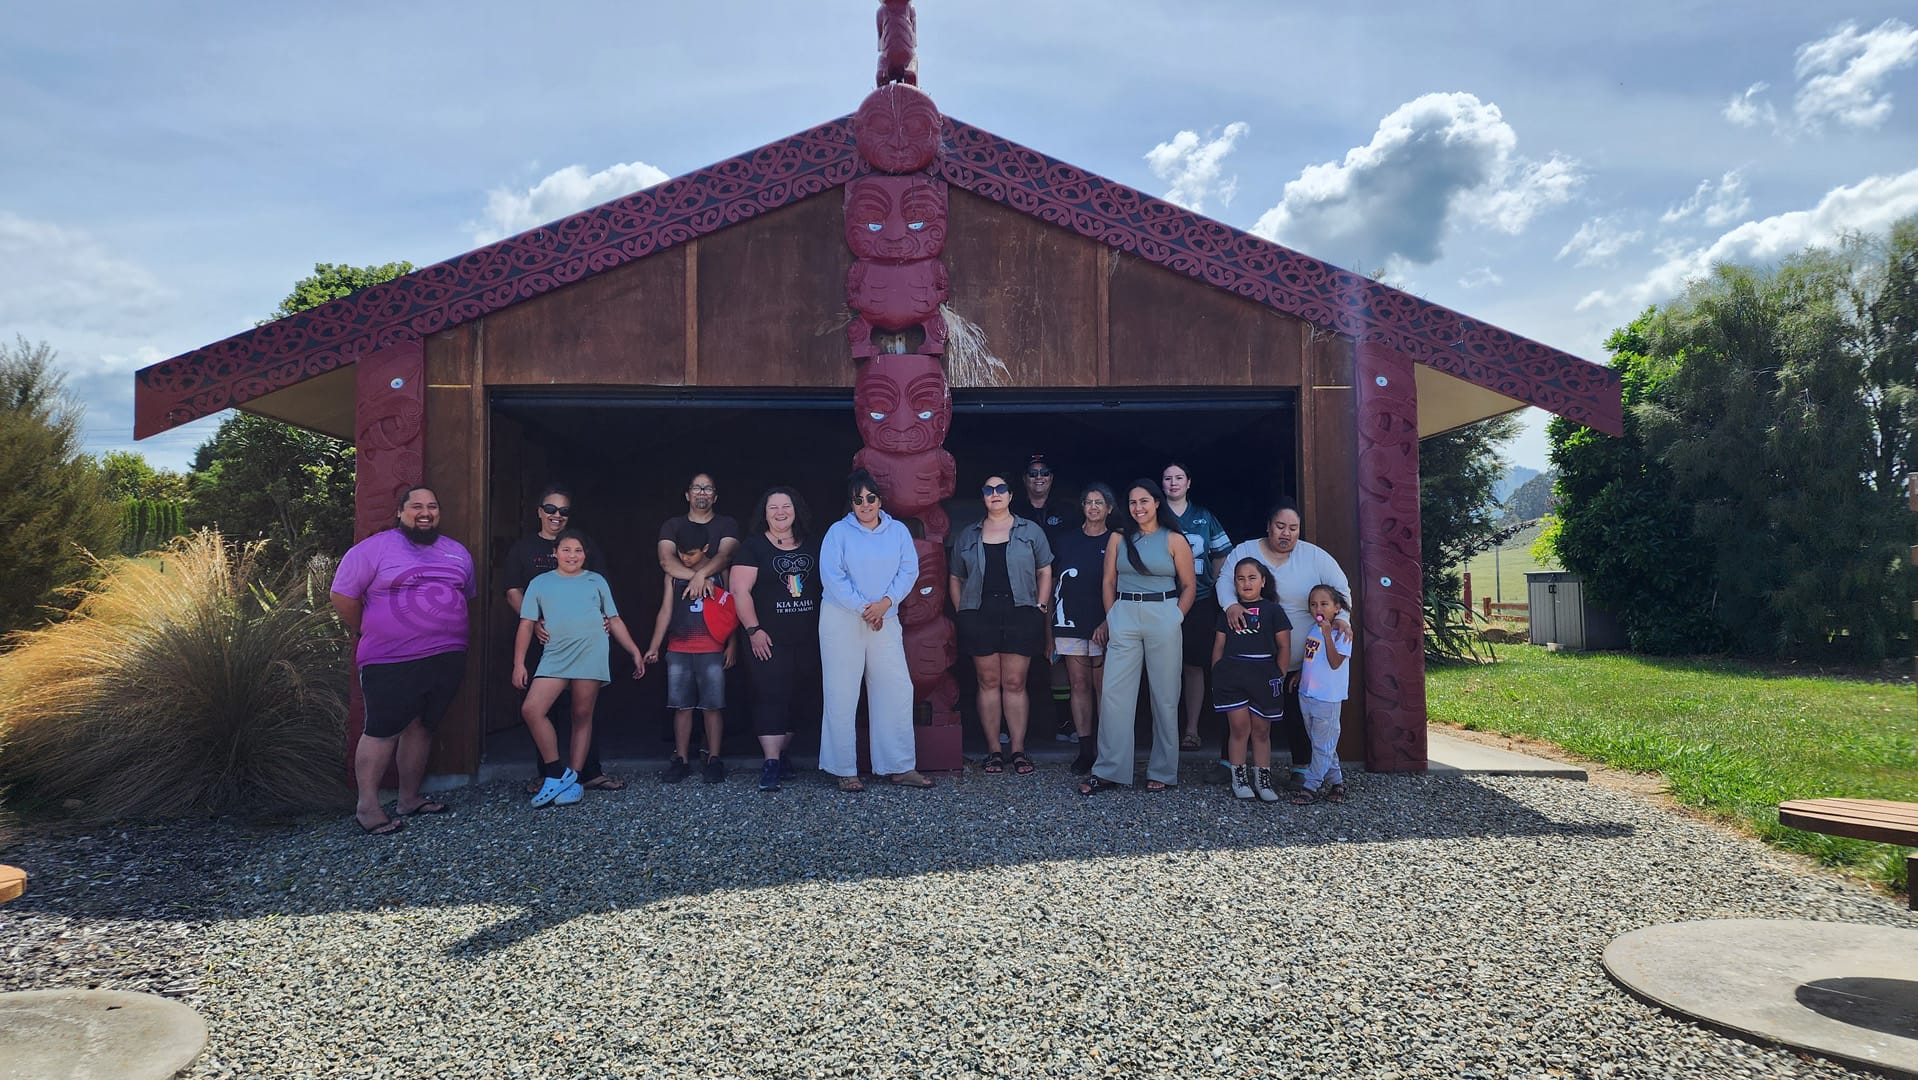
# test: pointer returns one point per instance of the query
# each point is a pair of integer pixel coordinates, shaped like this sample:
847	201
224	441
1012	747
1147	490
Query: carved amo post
1390	579
896	228
389	436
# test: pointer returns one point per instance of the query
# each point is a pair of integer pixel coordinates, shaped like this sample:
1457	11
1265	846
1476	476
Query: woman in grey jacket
1000	575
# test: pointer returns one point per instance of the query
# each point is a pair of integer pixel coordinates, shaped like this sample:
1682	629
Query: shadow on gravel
652	843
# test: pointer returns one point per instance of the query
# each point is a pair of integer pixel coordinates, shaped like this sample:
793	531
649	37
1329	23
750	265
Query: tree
128	475
261	479
1458	471
54	507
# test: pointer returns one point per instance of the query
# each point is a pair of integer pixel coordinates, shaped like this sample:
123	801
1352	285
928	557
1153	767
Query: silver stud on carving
1380	379
397	383
1386	581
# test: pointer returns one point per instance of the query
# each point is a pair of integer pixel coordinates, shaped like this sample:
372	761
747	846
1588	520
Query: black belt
1149	596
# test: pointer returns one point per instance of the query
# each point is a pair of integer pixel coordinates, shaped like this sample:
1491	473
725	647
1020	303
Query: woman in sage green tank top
1149	587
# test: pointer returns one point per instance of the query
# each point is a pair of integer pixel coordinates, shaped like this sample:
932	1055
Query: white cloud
63	279
1840	74
1871	205
1438	161
1721	202
1750	108
1479	278
1598	241
561	193
1191	165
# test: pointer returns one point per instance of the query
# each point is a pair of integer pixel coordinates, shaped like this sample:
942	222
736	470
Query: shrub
186	682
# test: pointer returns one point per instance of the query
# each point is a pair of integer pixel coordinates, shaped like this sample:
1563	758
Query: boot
1242	783
1262	783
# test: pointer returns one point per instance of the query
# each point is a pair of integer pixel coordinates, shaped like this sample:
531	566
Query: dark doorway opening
628	457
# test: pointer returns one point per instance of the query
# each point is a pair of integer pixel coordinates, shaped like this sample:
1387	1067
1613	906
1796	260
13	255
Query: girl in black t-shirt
1248	677
1079	615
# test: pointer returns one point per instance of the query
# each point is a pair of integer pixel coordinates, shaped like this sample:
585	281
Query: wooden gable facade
728	285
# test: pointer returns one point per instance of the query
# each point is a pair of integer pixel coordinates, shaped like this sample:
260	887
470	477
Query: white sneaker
1262	783
1241	783
554	787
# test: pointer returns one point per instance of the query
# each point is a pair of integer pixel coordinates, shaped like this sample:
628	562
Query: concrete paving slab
1845	990
96	1035
1449	754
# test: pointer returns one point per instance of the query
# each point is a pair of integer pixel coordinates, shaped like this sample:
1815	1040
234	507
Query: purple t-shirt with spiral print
414	596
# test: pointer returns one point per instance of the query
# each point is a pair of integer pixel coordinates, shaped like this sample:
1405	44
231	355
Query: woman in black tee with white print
775	584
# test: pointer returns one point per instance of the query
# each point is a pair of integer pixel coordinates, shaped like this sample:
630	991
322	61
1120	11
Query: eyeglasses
1037	473
994	489
556	511
703	489
868	497
1094	501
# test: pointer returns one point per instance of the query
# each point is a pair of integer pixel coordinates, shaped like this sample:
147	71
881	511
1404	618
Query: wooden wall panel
771	299
625	327
1329	493
1032	289
456	462
1170	330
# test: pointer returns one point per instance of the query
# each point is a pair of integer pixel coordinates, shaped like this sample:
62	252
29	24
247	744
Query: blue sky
171	169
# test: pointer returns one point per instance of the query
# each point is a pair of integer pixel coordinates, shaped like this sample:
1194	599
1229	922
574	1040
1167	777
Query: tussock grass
1728	738
193	680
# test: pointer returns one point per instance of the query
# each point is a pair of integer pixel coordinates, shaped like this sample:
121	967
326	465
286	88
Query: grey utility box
1559	615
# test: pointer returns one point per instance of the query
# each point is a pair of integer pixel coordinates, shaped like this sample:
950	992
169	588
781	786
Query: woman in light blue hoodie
867	564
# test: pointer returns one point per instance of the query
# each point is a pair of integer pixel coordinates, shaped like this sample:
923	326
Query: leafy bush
146	524
188	682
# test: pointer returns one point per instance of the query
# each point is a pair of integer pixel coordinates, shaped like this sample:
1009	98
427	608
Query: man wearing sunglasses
1048	688
1035	503
530	557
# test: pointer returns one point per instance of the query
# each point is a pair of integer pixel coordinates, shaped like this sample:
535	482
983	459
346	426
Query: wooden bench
13	882
1880	820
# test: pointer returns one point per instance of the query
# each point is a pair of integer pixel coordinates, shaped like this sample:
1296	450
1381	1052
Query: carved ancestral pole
1391	613
896	228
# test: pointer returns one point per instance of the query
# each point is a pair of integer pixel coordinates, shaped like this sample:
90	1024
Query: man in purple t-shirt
402	594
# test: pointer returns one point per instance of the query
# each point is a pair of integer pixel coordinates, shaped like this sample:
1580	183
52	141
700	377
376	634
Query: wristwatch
751	630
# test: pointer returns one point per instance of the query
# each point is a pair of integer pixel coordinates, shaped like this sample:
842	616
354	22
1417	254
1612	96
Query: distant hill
1532	500
1515	477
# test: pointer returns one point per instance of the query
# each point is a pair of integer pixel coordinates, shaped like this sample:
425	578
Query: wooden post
389	434
1391	613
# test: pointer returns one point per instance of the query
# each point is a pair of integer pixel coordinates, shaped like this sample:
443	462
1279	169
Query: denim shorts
695	680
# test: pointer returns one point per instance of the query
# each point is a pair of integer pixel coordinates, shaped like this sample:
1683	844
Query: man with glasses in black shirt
1056	515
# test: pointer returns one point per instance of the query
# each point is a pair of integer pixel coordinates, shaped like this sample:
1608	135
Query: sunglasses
556	511
1036	473
868	497
994	489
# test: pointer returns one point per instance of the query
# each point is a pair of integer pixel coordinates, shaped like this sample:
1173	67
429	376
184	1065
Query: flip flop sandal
384	828
1190	742
851	784
1304	797
603	782
426	806
1157	786
995	762
1092	785
1022	764
1335	793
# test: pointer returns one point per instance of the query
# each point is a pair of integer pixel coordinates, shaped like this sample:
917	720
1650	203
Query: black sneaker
786	770
713	771
676	770
769	775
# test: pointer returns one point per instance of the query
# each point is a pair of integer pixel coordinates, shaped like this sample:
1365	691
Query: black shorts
398	694
1239	683
998	627
1196	631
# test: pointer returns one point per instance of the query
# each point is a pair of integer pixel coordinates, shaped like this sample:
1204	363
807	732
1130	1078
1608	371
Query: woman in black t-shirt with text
1079	615
775	585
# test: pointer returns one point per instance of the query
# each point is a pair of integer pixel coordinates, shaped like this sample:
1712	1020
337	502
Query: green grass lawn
1728	738
1503	574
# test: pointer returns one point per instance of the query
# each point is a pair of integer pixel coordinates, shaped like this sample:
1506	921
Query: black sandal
995	762
1092	785
1021	764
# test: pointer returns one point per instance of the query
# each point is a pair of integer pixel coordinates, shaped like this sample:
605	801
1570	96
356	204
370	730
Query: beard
422	537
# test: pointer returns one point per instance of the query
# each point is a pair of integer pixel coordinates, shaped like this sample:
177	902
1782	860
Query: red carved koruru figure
896	227
898	39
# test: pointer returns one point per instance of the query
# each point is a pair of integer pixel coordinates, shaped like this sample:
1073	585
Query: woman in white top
1296	567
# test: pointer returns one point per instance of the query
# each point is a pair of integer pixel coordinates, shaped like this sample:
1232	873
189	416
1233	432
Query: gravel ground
994	926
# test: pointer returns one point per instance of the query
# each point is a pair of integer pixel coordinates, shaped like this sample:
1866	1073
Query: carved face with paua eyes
896	218
902	403
927	600
897	128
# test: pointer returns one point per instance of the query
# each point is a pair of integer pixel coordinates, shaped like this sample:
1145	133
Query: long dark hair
1268	589
802	517
859	481
1129	529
